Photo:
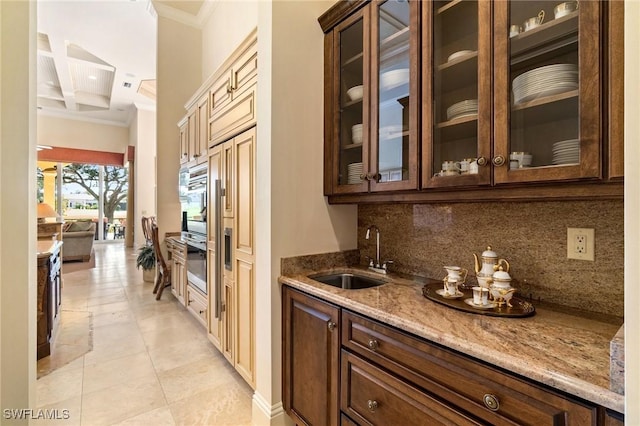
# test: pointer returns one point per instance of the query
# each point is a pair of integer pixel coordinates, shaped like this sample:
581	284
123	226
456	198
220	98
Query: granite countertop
47	247
564	351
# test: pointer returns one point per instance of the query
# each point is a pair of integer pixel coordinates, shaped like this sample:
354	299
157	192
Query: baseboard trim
265	414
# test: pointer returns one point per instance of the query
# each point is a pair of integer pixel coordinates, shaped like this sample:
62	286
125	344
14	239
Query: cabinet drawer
197	304
460	380
373	397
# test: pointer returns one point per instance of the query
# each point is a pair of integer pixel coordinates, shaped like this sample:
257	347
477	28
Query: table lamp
45	211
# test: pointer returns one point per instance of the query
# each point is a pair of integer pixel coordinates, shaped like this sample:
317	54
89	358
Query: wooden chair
164	269
146	228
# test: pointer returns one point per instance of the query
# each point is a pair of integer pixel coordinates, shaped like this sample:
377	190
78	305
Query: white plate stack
545	81
354	171
462	109
566	152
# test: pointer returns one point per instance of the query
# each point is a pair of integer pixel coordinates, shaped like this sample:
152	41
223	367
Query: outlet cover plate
581	243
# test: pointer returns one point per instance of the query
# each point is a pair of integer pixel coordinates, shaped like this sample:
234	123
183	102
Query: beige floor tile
114	318
62	355
121	402
169	318
194	377
181	353
116	371
158	417
60	385
228	404
66	413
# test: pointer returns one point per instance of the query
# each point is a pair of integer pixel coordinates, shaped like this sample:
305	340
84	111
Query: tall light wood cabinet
244	257
233	330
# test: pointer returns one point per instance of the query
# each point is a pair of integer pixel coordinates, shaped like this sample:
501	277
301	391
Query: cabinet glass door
394	129
547	90
352	94
458	97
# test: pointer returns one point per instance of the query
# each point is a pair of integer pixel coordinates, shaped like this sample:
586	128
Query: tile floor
123	358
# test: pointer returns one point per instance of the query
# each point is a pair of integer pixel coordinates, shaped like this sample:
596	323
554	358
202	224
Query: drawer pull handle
373	344
331	325
372	404
491	402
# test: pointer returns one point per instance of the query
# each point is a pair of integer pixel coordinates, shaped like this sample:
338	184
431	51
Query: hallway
123	358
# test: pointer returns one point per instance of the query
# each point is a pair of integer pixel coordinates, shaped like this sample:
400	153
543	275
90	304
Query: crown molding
196	21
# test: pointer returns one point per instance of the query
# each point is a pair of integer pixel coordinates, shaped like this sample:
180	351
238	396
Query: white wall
228	26
17	205
178	76
632	218
144	124
65	133
294	217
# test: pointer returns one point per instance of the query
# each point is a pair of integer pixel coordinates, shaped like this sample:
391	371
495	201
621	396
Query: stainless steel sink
347	281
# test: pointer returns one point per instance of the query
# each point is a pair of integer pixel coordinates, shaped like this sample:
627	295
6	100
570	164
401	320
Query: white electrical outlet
581	243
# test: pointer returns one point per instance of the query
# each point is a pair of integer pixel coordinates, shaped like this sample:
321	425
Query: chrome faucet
376	266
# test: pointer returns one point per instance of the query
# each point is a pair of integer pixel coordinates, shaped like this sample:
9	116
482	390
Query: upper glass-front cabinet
457	107
376	72
547	107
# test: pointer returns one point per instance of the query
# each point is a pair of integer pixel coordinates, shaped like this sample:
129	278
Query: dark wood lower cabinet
311	357
389	377
372	396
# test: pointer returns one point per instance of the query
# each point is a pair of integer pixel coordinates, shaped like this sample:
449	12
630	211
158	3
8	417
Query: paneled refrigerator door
548	90
457	98
394	102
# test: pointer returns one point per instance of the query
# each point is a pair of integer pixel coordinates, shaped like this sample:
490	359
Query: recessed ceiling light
92	77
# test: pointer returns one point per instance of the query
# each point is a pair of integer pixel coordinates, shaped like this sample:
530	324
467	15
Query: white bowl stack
545	81
566	152
462	109
392	79
356	133
355	93
354	171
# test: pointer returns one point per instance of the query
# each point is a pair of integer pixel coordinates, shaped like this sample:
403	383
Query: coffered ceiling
97	58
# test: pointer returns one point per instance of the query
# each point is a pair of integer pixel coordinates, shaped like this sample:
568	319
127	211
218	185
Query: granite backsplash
422	238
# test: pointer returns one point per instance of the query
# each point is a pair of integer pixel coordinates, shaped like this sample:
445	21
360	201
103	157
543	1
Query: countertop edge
554	379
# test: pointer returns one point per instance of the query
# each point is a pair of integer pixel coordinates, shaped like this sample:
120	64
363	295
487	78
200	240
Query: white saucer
446	296
487	306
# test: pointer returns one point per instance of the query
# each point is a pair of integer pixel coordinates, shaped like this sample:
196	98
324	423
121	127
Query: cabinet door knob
376	177
364	177
482	161
373	344
498	160
331	325
372	404
491	402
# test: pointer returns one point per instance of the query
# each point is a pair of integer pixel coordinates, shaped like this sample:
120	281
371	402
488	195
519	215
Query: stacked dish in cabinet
354	173
465	108
545	81
566	152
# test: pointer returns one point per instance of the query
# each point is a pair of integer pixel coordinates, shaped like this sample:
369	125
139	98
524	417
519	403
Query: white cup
450	287
464	166
449	166
480	296
534	22
514	30
564	9
473	167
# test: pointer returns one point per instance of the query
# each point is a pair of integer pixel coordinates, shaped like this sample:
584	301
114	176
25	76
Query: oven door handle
218	244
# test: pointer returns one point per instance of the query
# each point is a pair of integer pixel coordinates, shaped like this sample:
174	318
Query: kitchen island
564	352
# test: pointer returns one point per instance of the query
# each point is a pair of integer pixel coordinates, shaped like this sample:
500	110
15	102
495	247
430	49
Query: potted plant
147	260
